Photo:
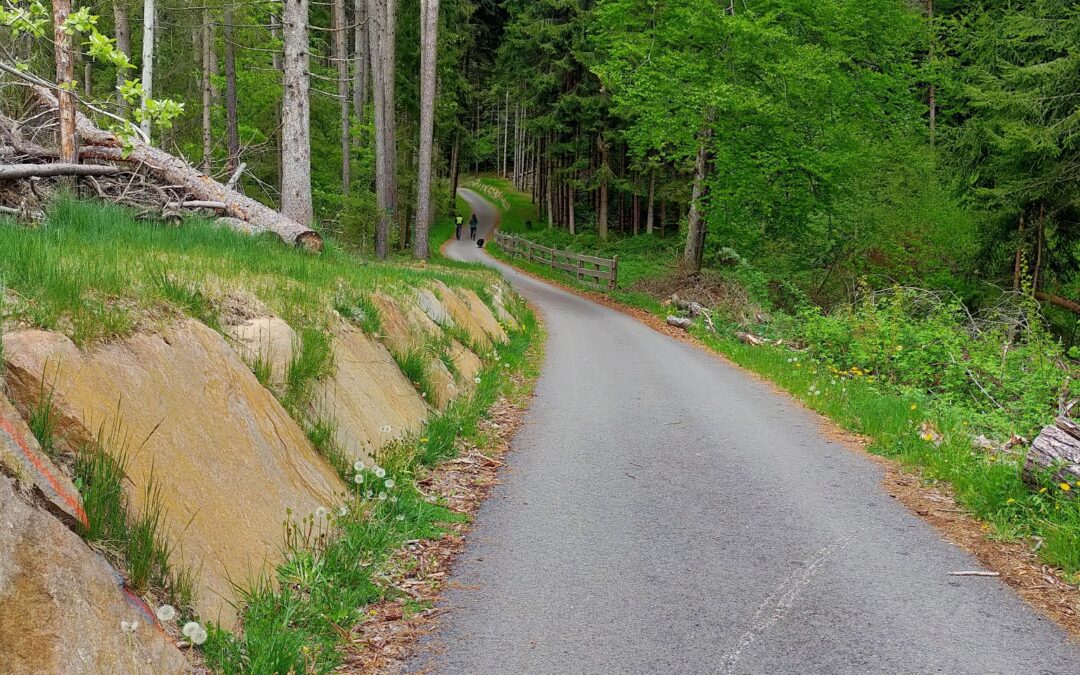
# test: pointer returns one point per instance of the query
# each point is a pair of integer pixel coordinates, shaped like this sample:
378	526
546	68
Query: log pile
1056	452
137	175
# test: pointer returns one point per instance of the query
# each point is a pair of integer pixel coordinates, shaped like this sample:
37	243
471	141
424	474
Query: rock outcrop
21	457
369	400
63	609
227	460
472	315
267	342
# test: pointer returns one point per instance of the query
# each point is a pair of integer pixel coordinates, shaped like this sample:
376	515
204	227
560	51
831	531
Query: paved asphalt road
665	513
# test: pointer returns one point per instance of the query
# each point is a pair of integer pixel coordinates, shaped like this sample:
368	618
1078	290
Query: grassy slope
990	486
95	274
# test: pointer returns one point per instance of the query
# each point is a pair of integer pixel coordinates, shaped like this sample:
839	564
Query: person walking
458	220
472	226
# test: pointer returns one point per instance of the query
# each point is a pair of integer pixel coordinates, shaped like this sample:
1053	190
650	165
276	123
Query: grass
94	273
414	365
333	568
133	541
989	486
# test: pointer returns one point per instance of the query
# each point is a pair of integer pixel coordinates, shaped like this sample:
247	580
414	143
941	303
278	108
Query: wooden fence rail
589	269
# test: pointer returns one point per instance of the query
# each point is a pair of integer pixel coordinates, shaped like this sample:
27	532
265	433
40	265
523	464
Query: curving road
663	512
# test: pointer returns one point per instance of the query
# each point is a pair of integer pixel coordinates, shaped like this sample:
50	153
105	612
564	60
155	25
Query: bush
1002	366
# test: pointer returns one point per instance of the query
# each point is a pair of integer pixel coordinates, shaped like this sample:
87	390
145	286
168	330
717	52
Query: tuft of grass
42	423
185	296
415	366
134	542
312	359
362	311
322	434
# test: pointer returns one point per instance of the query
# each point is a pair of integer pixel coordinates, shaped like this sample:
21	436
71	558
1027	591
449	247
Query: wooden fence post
614	272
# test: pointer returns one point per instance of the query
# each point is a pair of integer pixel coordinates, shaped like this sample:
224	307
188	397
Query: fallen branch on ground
17	171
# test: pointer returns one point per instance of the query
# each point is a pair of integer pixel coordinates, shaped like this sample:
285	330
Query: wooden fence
589	269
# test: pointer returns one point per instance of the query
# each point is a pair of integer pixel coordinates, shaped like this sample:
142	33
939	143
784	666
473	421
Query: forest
884	141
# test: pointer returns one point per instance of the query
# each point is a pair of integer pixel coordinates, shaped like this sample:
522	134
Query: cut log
197	204
105	146
16	171
1056	452
680	322
750	339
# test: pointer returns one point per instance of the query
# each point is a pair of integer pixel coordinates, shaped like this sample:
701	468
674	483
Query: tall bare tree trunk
149	21
932	93
123	42
275	32
506	132
651	209
296	116
455	172
341	58
695	233
65	77
232	122
429	30
382	19
361	61
207	92
602	211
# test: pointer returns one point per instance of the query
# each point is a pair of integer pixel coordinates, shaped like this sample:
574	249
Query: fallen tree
198	189
17	171
1055	452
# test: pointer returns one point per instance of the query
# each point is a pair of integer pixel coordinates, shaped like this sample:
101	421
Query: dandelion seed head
321	512
166	613
189	628
358	478
380	472
358	465
389	483
129	626
382	496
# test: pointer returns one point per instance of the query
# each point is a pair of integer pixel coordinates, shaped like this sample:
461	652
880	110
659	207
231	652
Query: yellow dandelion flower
913	407
1065	487
1042	490
1010	500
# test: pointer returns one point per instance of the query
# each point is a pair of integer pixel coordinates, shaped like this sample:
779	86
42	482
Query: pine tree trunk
651	209
636	210
232	124
207	93
429	27
296	116
361	60
275	32
602	209
149	21
695	232
381	27
341	59
455	172
122	31
65	78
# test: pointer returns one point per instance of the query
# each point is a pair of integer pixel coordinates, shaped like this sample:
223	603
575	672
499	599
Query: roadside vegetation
298	621
952	394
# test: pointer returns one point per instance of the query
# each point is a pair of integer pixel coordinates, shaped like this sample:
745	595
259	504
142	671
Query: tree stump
1056	452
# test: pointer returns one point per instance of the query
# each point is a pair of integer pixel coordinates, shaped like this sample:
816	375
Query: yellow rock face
228	459
22	457
472	315
61	604
268	340
368	398
405	327
467	363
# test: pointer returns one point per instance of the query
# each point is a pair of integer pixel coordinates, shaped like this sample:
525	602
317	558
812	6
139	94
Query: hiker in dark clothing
457	225
472	226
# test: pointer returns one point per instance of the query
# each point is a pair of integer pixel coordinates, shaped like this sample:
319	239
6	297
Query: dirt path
665	512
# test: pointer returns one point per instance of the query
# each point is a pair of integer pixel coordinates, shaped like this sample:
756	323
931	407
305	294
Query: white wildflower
477	380
380	472
382	496
343	511
321	512
358	465
166	613
358	478
389	483
129	626
199	636
189	628
393	500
